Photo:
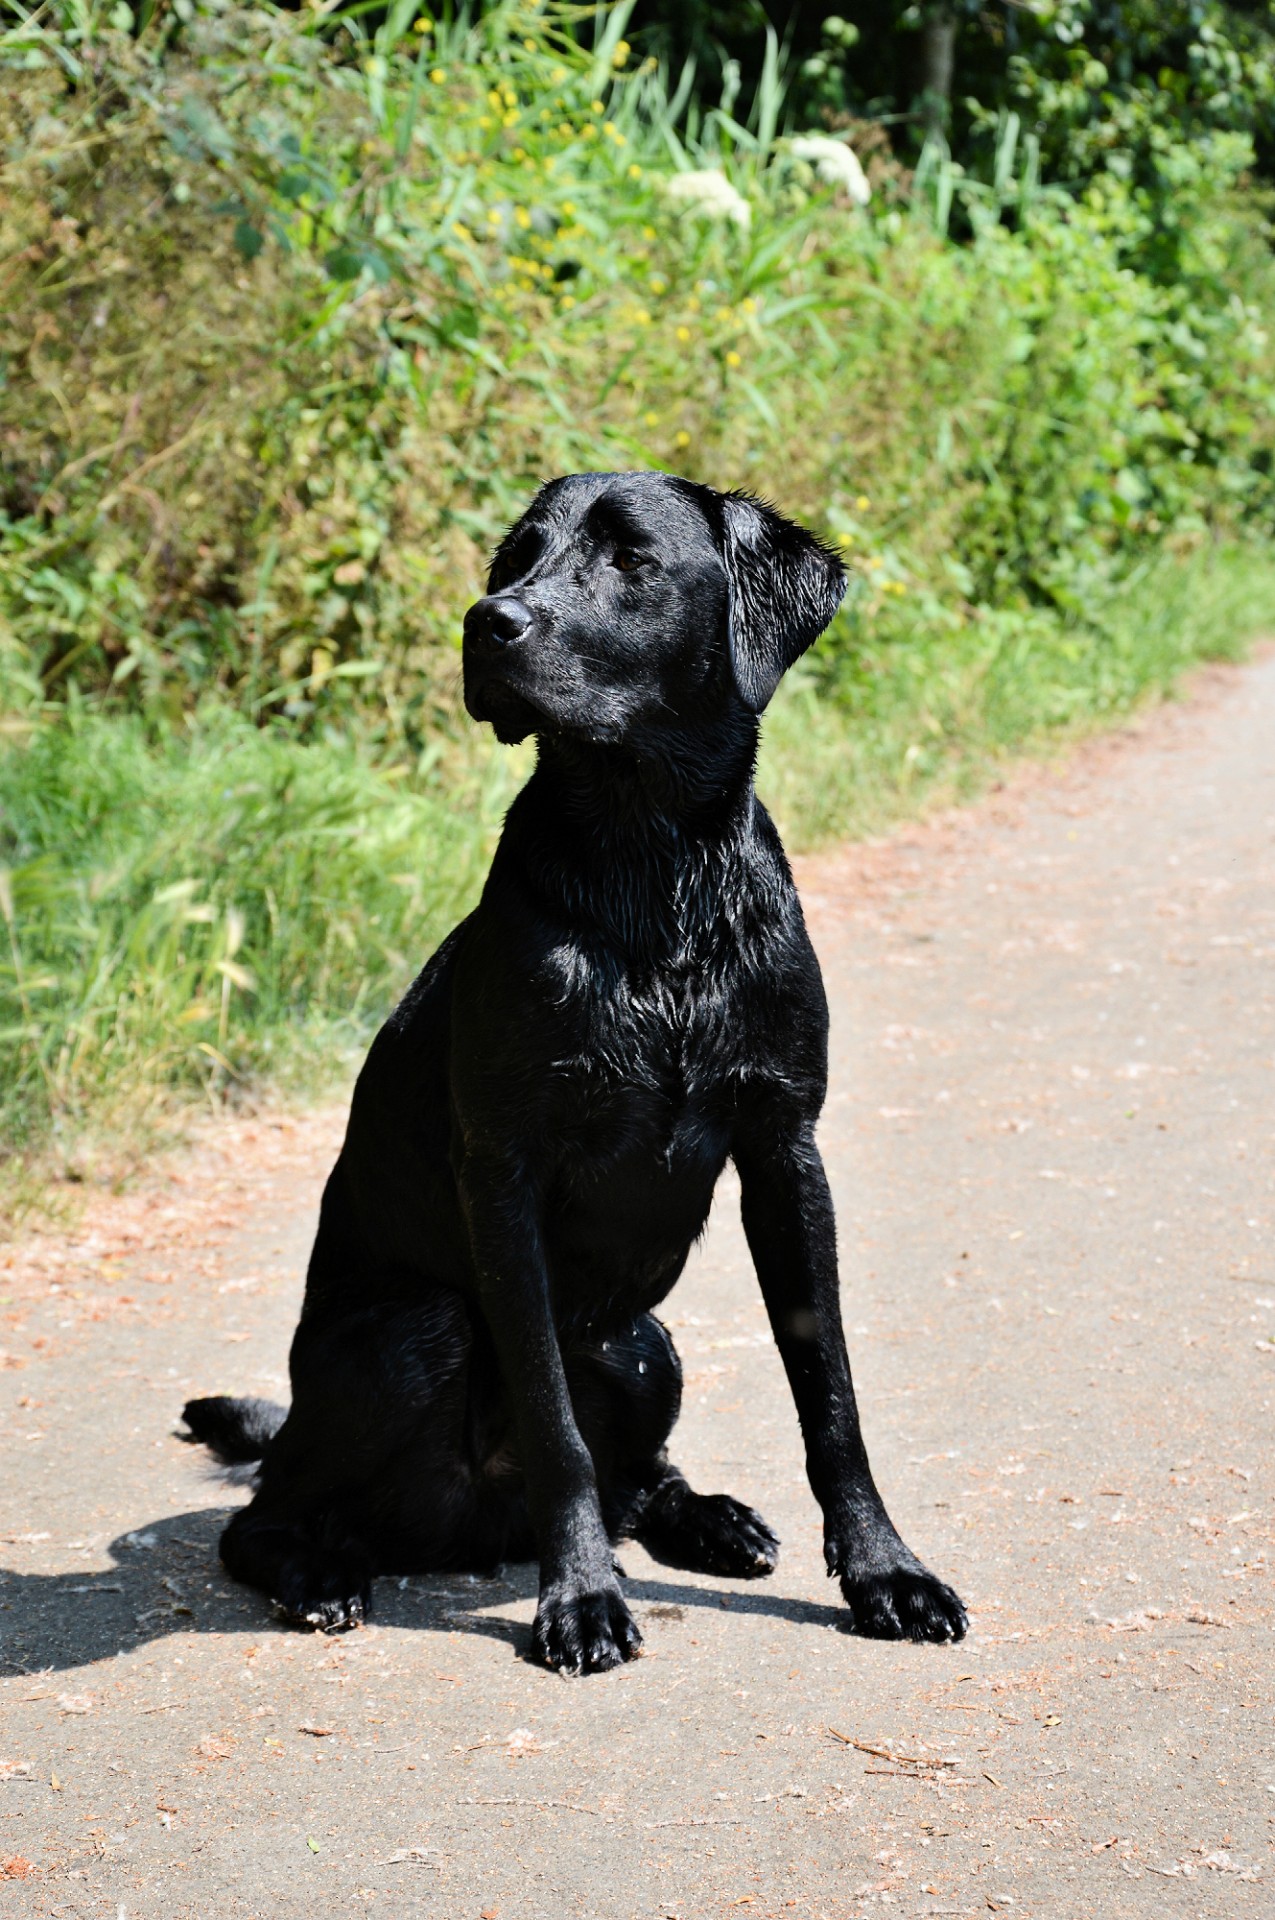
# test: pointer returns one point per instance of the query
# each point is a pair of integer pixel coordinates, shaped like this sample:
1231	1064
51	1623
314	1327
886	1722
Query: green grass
853	745
189	912
296	308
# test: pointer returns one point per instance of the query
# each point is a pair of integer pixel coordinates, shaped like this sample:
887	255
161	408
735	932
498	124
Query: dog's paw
329	1598
714	1533
902	1602
582	1631
891	1596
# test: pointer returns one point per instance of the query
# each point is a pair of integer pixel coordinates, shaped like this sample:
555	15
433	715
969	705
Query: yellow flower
530	45
522	218
558	75
613	133
566	130
493	216
422	25
588	130
733	359
642	317
621	54
546	113
461	231
438	75
683	333
511	98
648	233
657	284
596	106
748	306
693	304
651	419
568	207
863	503
484	120
635	171
495	98
682	439
509	120
567	302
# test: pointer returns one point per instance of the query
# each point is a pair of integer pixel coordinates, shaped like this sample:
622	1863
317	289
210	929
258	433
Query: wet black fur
535	1137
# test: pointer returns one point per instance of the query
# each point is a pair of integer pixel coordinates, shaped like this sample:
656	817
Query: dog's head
623	604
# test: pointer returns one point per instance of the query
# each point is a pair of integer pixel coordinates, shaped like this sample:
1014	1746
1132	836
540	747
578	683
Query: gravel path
1050	1140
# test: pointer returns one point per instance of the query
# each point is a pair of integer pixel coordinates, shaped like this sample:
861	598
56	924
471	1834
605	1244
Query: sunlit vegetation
296	308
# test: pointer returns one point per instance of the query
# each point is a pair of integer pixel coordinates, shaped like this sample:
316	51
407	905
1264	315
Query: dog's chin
510	715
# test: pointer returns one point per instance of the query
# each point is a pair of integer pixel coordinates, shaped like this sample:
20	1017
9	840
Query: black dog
536	1135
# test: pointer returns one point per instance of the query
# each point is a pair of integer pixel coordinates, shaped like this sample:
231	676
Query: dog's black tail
236	1431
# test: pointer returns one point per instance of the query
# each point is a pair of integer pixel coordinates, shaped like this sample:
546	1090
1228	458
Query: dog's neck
693	782
651	850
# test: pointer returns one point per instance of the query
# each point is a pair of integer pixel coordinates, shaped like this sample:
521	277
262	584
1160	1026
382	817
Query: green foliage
275	464
1096	84
296	309
929	714
173	903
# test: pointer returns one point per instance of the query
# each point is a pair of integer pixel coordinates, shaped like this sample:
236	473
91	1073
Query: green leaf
249	240
343	263
207	128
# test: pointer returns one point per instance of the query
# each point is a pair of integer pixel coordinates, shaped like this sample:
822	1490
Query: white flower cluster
835	163
710	193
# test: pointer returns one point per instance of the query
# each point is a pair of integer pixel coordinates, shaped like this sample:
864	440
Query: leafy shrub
295	323
296	313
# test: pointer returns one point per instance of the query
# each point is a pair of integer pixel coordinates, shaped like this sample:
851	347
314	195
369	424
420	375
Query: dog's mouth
509	713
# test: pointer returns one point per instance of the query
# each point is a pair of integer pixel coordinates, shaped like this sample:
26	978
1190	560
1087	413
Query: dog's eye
626	560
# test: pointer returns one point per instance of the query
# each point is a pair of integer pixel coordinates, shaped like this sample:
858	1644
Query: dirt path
1050	1138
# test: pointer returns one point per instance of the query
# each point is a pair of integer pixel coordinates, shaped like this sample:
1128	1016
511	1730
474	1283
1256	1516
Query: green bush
295	323
295	314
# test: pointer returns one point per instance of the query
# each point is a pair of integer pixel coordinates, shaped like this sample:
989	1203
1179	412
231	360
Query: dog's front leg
791	1230
582	1624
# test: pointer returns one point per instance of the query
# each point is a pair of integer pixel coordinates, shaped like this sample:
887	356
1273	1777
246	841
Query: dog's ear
784	586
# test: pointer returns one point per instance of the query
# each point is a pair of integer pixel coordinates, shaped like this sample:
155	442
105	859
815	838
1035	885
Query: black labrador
534	1139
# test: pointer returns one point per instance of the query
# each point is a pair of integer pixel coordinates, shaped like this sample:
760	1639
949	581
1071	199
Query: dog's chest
652	1078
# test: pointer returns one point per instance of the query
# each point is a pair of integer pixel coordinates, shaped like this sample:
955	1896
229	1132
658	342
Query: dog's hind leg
316	1571
365	1475
704	1532
627	1393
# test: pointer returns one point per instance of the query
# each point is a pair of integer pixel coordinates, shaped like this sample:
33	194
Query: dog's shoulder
425	1002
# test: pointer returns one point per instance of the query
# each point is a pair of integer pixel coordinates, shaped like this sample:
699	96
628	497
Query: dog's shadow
167	1579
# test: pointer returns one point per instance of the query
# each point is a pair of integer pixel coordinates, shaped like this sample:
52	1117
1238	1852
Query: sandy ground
1050	1140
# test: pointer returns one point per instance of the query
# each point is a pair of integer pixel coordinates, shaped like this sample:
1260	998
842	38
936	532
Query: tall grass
191	907
296	309
932	719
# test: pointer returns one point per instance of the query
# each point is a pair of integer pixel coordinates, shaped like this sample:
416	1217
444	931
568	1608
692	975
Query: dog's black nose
498	619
